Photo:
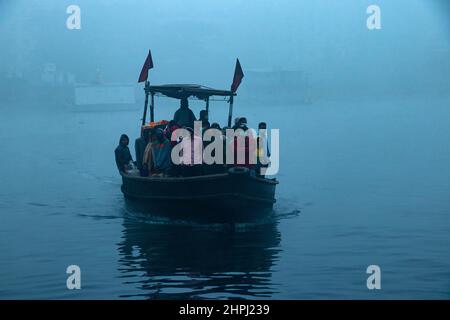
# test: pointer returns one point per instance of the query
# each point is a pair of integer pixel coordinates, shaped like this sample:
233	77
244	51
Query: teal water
361	183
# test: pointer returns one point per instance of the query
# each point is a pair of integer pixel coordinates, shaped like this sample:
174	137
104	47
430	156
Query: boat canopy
184	91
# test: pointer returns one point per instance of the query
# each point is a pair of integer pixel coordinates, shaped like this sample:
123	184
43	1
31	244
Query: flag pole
144	116
230	111
152	107
148	64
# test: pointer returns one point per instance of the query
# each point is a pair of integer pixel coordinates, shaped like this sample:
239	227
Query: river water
361	183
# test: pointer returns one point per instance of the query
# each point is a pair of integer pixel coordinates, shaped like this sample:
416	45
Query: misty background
364	148
327	43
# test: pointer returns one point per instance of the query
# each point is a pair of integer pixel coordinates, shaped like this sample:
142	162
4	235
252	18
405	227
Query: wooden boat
232	196
235	196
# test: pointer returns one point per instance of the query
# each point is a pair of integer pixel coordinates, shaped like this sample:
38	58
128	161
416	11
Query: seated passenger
236	123
147	163
139	147
123	155
161	150
263	151
184	117
216	126
171	127
248	149
205	126
191	161
203	115
219	165
242	124
263	136
226	145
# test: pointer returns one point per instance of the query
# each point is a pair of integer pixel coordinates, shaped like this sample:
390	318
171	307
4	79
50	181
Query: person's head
203	115
159	134
124	140
242	123
262	126
215	125
171	127
191	131
205	125
184	103
150	135
146	134
236	121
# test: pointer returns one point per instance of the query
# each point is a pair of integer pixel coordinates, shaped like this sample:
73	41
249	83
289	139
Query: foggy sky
198	41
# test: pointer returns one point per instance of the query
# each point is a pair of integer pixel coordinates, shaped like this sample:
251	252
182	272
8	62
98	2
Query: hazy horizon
198	41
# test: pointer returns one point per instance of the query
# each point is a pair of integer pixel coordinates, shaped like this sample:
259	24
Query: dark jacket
249	149
161	155
184	117
123	157
139	148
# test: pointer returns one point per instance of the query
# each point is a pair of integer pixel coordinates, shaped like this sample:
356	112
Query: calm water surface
361	183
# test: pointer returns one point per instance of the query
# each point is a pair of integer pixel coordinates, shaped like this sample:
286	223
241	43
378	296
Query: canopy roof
181	91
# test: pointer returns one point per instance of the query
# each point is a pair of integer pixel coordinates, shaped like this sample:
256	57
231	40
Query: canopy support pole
144	116
230	111
207	107
152	108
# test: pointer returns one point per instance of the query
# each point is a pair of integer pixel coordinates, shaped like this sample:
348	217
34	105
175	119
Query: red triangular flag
147	66
238	75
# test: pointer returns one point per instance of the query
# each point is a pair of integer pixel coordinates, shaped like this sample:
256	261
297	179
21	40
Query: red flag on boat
147	66
238	75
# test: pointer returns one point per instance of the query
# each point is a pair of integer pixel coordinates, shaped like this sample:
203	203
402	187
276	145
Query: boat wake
155	219
279	215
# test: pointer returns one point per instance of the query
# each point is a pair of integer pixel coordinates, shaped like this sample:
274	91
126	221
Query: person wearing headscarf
161	149
139	146
262	149
192	158
122	154
236	123
248	149
171	127
147	156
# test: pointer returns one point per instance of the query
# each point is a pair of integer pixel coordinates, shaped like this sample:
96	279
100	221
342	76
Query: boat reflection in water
170	259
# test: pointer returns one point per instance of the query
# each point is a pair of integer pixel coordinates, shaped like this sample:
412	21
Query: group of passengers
154	146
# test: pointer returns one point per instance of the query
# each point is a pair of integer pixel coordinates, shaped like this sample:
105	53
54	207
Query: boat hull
220	198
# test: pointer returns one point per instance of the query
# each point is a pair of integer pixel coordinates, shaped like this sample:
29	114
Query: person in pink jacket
192	157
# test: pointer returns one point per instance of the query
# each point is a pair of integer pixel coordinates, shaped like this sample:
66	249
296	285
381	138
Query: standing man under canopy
184	116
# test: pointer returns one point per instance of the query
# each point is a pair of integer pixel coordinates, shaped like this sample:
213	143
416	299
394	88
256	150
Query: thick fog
364	173
198	42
